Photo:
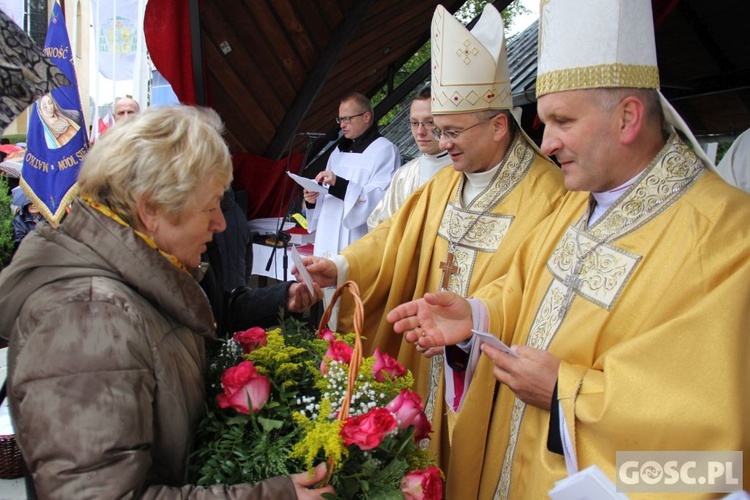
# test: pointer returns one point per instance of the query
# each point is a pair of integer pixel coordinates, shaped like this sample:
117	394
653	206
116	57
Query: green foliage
297	428
234	448
721	150
6	224
472	8
377	474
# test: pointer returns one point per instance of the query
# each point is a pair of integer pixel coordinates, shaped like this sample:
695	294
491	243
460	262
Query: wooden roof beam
314	82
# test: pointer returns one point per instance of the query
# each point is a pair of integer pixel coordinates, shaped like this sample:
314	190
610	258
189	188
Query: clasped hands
299	299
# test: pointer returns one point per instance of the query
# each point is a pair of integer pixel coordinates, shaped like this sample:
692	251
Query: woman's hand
303	481
298	298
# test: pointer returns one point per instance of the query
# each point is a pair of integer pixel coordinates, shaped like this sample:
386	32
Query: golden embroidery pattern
458	227
601	75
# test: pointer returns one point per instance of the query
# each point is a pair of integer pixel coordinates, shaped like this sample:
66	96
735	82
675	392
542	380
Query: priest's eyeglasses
452	135
427	124
348	119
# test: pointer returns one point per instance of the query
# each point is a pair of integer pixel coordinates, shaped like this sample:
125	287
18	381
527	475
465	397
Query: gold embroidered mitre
469	68
587	45
603	44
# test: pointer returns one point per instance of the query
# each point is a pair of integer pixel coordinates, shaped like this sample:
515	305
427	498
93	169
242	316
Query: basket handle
356	362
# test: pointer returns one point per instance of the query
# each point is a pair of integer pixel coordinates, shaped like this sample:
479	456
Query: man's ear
147	217
500	126
630	119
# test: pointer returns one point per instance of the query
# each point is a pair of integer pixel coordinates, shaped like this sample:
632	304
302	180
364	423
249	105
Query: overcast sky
520	23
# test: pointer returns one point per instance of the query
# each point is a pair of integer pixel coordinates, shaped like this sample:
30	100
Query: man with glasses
414	174
358	172
461	229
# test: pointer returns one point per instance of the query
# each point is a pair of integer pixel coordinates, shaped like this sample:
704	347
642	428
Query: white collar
476	182
480	180
605	199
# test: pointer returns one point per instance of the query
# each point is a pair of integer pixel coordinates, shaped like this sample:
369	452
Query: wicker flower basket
356	362
11	463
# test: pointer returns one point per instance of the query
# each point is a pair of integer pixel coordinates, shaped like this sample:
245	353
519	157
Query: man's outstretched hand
436	320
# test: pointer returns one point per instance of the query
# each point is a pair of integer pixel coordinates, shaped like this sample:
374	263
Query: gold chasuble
648	309
401	259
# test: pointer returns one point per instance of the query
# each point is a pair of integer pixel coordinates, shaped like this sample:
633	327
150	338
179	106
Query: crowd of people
617	273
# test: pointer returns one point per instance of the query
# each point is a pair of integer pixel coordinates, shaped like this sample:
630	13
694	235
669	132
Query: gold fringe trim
599	76
62	208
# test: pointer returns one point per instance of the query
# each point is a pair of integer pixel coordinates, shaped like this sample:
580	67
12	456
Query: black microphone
330	136
314	135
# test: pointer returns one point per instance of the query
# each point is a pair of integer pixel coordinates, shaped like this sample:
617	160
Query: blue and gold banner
57	139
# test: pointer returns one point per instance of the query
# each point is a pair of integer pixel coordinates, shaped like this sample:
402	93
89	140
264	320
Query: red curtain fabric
166	27
265	182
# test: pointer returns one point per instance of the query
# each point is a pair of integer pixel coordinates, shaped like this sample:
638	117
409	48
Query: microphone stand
282	235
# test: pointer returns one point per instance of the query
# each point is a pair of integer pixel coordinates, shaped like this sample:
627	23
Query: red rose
251	339
423	484
240	383
385	363
422	427
326	334
407	407
368	430
337	351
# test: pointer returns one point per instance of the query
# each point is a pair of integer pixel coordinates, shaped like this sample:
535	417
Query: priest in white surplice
358	173
419	170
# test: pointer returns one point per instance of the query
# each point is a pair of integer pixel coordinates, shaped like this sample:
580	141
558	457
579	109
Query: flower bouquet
288	398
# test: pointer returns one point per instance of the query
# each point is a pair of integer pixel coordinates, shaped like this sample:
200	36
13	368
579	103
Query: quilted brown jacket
105	365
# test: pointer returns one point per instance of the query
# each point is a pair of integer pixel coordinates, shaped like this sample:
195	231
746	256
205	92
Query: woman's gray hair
158	158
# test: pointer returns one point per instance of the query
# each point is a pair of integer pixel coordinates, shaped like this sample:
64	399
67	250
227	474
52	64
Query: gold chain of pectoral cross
573	280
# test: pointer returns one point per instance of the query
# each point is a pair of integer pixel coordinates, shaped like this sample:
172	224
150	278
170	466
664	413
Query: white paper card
308	184
477	340
492	341
306	279
589	484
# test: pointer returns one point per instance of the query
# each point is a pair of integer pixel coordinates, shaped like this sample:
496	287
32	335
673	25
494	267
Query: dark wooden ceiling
703	51
286	63
292	60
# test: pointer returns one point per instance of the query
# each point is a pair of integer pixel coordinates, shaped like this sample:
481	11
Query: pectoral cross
572	281
448	268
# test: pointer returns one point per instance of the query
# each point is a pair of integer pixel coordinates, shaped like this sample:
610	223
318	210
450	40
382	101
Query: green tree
6	224
472	8
468	11
722	150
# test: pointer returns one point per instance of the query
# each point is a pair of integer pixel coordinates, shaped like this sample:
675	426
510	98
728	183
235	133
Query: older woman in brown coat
107	322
